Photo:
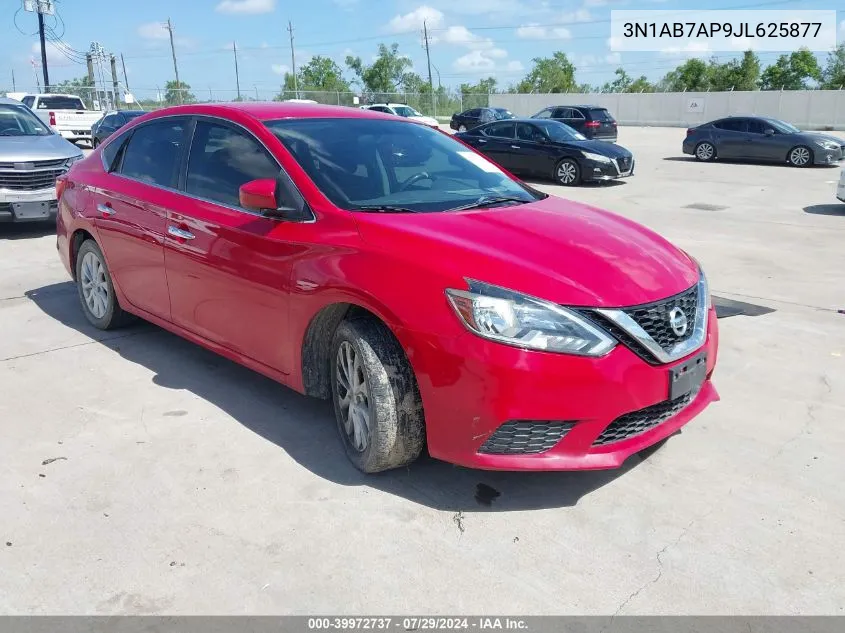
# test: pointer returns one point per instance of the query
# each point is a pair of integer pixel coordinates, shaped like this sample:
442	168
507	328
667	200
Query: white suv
400	109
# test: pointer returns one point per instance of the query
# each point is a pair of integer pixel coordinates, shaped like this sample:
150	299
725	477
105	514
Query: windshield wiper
383	208
486	201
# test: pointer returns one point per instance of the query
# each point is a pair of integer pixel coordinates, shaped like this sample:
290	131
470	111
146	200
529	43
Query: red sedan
380	263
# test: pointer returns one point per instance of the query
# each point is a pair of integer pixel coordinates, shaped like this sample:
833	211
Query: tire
705	152
100	307
94	143
568	172
395	432
800	156
462	128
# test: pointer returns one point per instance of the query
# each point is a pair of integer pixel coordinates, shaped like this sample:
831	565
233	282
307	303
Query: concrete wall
807	109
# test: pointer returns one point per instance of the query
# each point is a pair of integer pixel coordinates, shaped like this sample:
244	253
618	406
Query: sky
470	39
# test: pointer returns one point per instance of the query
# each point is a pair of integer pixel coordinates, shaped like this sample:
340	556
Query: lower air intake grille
638	422
524	437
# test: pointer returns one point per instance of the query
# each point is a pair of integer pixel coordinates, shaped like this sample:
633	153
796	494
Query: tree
833	75
482	87
691	76
791	72
620	84
81	87
320	74
550	74
640	84
178	93
386	74
741	74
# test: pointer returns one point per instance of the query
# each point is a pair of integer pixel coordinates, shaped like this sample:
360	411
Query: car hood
605	148
824	137
424	119
555	249
29	148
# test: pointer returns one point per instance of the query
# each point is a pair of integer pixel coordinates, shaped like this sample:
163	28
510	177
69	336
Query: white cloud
478	62
537	32
462	36
414	20
153	31
595	3
582	61
346	5
613	58
280	69
692	48
246	7
580	15
54	55
491	7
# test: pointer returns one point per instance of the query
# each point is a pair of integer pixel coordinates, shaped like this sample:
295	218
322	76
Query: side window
576	115
500	130
731	125
111	152
561	113
527	132
473	114
222	159
110	121
28	101
756	127
381	109
487	115
544	114
154	153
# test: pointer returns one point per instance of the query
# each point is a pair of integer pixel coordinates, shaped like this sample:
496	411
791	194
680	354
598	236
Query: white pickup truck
66	114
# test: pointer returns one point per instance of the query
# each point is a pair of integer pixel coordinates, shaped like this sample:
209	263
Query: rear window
600	114
60	103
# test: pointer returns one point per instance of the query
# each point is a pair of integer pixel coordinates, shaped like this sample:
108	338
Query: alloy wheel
705	151
567	173
800	156
353	397
95	287
462	128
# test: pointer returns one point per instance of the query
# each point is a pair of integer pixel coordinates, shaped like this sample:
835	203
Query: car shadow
305	427
826	209
740	161
682	159
26	230
584	185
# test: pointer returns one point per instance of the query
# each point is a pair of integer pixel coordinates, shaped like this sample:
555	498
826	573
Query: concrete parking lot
185	484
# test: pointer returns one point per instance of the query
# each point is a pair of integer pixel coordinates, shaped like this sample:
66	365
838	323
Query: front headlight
596	157
70	161
830	145
515	319
705	286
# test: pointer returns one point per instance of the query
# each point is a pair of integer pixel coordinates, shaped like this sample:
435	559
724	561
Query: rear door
731	138
131	210
577	121
228	277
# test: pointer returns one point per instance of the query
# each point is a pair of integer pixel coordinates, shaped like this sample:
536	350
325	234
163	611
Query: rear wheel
376	399
96	290
705	151
568	172
462	128
800	156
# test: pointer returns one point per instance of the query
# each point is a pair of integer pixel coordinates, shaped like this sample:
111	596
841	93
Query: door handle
106	209
481	141
182	234
515	147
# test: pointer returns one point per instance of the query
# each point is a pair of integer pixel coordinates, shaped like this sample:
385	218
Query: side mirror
542	140
258	195
769	131
274	199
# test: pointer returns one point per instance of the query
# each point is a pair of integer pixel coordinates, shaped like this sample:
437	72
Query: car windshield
393	166
501	113
559	132
20	121
131	114
60	103
405	111
782	126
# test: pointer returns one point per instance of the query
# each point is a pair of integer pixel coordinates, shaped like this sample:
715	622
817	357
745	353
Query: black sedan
110	123
469	119
762	139
536	147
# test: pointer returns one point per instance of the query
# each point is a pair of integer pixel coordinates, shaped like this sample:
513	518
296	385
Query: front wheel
800	156
568	173
96	290
705	152
462	128
376	399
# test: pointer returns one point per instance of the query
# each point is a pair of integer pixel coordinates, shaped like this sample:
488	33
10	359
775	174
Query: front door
228	275
534	153
131	209
499	139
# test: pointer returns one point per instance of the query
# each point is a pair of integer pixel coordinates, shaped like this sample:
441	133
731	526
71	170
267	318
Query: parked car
549	149
66	114
474	117
594	122
110	122
840	188
390	268
761	139
31	157
406	111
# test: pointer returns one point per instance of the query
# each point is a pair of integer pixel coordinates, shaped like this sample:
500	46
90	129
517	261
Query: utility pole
237	77
90	62
428	58
293	62
14	87
169	28
114	82
125	78
43	51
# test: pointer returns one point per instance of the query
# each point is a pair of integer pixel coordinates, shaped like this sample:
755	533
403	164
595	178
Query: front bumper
471	387
594	171
76	135
822	156
8	198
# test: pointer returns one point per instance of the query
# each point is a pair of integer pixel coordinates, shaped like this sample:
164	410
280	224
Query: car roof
267	111
9	101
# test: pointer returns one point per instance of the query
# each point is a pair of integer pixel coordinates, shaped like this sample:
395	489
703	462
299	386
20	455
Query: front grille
37	164
622	336
524	437
654	317
19	180
638	422
624	164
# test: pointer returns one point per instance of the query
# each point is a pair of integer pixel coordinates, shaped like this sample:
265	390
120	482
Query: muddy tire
96	290
376	398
